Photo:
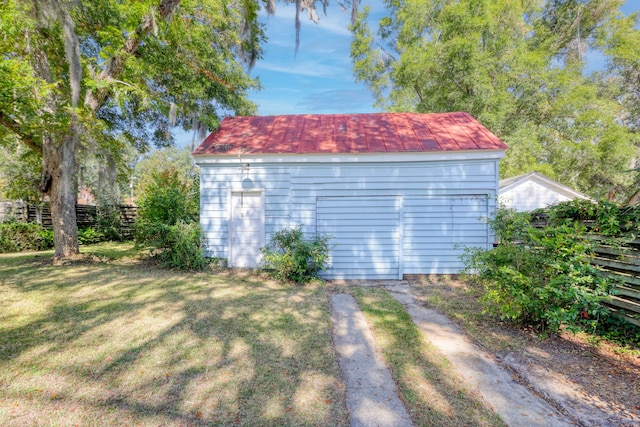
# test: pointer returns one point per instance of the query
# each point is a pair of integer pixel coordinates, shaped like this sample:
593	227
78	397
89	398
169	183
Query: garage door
437	230
366	235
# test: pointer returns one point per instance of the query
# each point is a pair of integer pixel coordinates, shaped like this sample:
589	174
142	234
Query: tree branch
419	94
95	100
14	127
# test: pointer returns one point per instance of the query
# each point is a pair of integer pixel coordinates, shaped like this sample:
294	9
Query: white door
246	233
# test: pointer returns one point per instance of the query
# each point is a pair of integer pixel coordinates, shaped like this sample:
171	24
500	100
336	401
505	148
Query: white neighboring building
534	191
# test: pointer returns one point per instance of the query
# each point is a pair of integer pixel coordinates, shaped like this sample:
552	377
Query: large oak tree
106	73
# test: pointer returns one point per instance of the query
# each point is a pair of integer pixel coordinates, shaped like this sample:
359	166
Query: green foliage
179	158
90	236
540	276
183	247
168	197
20	236
578	209
108	223
20	171
519	67
620	332
289	257
183	71
604	217
46	239
621	40
168	219
110	76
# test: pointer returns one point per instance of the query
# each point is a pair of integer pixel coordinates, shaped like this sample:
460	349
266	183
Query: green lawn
111	340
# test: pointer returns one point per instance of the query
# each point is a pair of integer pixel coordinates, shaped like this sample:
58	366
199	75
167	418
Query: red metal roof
349	133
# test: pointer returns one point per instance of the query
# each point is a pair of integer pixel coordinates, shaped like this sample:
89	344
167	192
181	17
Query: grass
427	382
110	340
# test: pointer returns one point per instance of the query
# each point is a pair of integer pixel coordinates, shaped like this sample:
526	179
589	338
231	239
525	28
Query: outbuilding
534	190
401	193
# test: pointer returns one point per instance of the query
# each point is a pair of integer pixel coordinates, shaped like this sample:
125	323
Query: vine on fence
604	217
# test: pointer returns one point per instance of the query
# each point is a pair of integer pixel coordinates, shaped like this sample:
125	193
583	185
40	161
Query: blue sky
319	78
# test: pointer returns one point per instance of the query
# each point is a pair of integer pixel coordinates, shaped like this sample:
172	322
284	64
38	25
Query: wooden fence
620	262
86	215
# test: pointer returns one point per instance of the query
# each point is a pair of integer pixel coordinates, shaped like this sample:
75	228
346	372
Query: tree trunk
58	183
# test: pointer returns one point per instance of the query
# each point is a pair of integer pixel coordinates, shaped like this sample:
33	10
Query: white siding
294	191
437	229
531	195
366	233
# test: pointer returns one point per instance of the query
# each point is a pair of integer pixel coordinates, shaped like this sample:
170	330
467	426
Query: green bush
288	257
19	236
183	247
90	236
46	239
168	220
604	217
108	222
540	276
169	197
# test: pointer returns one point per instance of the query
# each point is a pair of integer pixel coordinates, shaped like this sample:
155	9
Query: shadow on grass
112	344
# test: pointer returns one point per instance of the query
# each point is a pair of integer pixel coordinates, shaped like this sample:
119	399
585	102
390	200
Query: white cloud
304	68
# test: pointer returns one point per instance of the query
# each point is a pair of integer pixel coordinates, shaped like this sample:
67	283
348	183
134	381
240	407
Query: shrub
288	257
89	236
46	239
19	236
183	247
604	217
169	197
167	220
540	277
108	222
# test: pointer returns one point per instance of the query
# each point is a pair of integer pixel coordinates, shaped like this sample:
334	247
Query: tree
20	171
519	67
621	41
81	73
168	218
179	158
310	7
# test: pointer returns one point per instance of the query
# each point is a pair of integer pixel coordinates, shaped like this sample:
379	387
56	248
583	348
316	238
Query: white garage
399	193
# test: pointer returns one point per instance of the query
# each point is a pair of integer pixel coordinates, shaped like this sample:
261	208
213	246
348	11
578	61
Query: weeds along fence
86	215
619	261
